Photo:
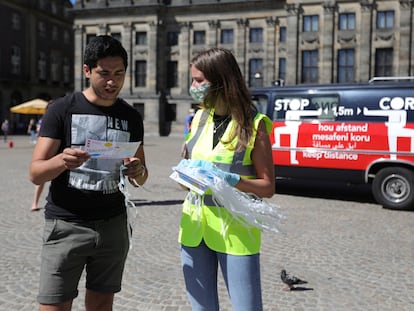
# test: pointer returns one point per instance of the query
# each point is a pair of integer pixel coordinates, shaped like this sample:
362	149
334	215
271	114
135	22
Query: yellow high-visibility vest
204	220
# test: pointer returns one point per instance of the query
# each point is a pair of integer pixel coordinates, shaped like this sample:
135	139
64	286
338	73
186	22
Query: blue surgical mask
199	92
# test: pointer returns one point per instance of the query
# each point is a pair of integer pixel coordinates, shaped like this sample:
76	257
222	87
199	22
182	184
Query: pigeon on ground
290	280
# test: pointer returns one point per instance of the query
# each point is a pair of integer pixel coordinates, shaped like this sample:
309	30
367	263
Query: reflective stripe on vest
197	124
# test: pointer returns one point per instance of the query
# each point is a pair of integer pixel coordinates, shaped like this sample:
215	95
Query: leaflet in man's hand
111	149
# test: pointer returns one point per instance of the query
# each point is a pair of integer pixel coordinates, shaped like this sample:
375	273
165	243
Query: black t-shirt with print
89	192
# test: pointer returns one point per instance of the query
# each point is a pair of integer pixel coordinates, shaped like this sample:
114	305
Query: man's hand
134	168
73	158
135	171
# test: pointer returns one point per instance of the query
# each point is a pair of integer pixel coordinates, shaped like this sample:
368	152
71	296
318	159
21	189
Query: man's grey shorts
101	246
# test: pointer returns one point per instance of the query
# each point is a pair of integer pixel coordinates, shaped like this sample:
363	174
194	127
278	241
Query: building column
327	48
269	71
365	64
184	44
102	30
78	54
127	43
292	45
242	38
152	65
405	40
213	32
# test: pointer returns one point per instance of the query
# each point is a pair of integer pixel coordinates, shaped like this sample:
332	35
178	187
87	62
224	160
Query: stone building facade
275	42
36	54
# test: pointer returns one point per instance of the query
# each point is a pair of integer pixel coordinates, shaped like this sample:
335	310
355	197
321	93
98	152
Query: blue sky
73	1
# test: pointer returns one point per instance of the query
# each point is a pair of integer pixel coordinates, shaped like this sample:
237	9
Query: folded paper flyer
191	178
111	149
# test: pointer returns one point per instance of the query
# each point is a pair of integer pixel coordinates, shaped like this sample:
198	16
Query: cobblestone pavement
354	254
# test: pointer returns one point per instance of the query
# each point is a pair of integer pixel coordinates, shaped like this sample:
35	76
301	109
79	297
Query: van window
260	101
320	107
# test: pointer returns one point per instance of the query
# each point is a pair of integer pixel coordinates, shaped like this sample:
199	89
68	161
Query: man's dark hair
101	47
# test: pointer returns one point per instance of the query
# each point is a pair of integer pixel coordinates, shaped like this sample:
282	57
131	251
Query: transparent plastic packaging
246	208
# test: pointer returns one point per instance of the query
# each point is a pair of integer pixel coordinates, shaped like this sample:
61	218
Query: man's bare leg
95	301
65	306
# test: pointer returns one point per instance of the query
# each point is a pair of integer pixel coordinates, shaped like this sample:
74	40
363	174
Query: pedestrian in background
226	131
36	197
39	125
31	130
38	188
86	223
5	129
187	121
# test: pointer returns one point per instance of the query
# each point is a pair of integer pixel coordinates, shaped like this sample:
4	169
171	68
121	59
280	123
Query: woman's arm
264	185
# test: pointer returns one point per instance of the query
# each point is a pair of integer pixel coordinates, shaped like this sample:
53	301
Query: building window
15	21
385	19
141	38
227	36
311	23
199	37
55	66
54	8
346	61
383	62
117	36
256	35
42	4
15	60
346	21
172	74
140	73
66	71
310	66
172	38
282	68
256	72
260	101
41	27
66	37
41	66
89	37
282	34
55	33
140	107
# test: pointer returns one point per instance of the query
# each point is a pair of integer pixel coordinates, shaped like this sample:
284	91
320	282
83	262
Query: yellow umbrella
34	106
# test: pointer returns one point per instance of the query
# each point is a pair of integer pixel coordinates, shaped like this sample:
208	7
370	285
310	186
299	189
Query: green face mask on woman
198	93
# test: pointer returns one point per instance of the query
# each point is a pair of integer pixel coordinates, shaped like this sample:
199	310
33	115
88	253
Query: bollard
11	144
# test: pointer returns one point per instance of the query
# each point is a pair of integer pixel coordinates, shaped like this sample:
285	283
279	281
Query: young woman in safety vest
227	131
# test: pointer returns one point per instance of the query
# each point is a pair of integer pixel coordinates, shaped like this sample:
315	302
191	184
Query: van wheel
393	187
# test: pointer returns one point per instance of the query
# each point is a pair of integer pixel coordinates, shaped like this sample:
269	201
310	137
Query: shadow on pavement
325	189
300	289
161	203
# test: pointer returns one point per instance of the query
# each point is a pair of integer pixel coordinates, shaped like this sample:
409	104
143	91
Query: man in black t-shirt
85	213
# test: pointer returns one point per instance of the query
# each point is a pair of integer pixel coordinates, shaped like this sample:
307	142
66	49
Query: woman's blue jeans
241	275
